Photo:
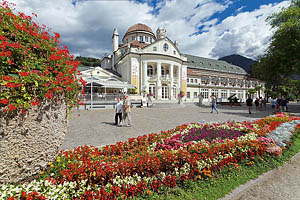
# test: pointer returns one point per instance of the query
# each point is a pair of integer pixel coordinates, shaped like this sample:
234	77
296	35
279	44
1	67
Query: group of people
260	102
279	104
123	111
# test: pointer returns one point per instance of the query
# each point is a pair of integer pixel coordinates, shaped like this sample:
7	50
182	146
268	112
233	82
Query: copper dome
139	27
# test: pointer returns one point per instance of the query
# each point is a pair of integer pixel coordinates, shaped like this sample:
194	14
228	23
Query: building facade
154	65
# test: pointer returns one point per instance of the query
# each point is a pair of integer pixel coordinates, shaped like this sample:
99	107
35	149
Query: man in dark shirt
283	104
249	102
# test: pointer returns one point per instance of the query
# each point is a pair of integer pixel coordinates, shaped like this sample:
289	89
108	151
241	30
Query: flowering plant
34	66
150	95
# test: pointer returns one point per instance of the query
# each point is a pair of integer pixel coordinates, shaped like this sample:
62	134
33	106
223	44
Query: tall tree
282	58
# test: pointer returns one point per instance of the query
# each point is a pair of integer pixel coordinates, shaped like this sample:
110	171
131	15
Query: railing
151	77
165	77
101	97
108	97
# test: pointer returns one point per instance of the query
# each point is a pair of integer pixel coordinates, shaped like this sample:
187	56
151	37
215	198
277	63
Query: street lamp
91	89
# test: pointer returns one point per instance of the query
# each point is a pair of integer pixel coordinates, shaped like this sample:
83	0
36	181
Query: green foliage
283	55
87	61
251	91
132	91
34	66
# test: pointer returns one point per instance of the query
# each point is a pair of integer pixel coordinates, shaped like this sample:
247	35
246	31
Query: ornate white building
154	64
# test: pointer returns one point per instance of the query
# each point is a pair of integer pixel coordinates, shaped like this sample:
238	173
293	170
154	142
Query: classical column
171	81
145	77
158	84
178	78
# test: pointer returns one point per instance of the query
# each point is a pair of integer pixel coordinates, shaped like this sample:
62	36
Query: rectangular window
154	48
224	94
196	80
240	94
141	38
188	95
174	52
195	95
188	80
150	40
146	39
133	38
204	93
192	80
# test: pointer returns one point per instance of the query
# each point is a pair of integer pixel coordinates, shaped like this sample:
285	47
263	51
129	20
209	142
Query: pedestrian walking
249	103
260	102
283	104
278	103
214	103
273	104
119	111
264	101
256	103
127	106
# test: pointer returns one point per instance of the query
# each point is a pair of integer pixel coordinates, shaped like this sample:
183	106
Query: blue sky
207	28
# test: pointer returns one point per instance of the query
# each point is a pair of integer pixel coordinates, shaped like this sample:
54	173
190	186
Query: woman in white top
119	110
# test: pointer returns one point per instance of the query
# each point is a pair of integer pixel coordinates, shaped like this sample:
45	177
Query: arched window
150	70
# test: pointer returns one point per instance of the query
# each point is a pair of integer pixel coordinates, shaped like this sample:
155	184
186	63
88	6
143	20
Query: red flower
10	62
10	85
12	107
69	89
35	103
23	194
36	46
57	35
49	95
2	37
4	101
6	78
23	73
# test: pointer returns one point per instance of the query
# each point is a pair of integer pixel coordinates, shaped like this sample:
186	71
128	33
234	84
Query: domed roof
139	27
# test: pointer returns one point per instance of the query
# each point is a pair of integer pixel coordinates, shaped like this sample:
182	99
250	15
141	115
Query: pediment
163	46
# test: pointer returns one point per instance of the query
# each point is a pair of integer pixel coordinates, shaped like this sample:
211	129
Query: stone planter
28	143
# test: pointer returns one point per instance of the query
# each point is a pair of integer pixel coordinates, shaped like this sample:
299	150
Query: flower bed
155	162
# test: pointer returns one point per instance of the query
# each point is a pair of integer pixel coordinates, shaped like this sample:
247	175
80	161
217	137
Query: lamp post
199	96
91	90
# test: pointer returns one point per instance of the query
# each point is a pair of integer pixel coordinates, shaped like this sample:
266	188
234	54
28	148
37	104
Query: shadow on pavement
109	123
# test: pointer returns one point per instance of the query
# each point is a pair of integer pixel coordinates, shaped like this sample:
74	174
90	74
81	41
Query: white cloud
245	34
87	27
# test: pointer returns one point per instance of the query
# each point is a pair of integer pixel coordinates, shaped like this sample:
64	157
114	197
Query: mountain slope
238	60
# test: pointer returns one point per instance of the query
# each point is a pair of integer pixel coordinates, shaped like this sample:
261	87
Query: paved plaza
97	127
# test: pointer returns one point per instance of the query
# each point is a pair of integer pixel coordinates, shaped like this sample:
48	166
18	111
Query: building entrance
165	91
